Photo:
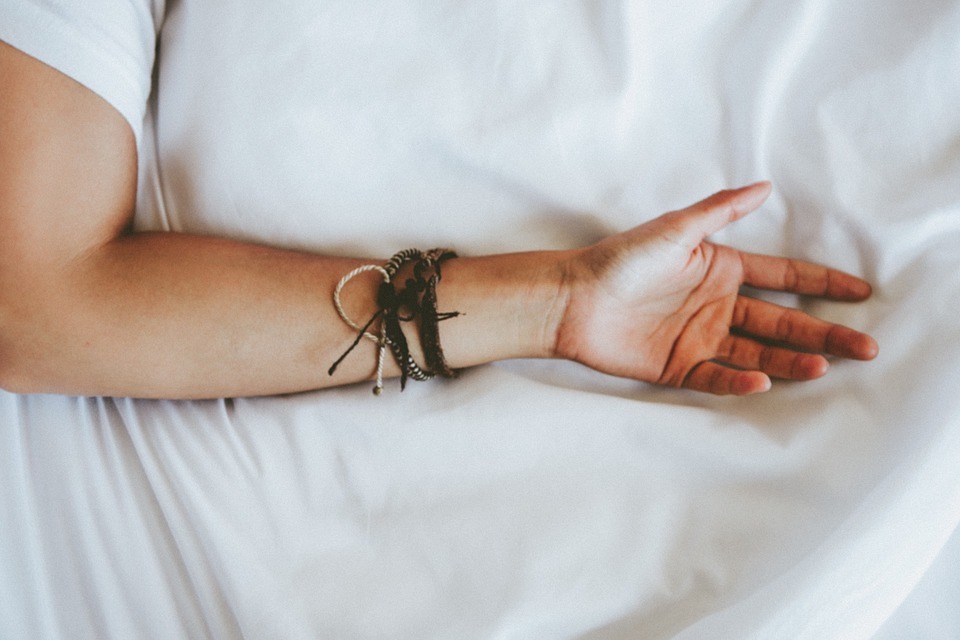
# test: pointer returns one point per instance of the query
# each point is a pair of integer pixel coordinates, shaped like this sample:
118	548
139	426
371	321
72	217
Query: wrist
511	306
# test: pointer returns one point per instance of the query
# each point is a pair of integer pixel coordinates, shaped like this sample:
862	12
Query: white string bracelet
381	340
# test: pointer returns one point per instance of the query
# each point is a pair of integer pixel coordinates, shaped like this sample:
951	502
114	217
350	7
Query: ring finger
776	362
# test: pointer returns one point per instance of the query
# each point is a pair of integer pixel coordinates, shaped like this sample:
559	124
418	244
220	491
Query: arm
86	307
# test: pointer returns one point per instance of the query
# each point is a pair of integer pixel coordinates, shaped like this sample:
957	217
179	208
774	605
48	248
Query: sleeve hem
108	71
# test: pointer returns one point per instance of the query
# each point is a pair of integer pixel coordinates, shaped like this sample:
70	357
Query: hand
660	304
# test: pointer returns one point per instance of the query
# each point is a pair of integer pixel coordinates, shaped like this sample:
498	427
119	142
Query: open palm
659	303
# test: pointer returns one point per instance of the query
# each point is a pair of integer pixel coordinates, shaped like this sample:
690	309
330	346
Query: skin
663	288
89	308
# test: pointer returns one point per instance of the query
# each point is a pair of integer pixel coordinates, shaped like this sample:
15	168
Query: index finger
805	278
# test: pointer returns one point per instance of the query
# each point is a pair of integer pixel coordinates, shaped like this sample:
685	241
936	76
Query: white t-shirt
107	45
334	128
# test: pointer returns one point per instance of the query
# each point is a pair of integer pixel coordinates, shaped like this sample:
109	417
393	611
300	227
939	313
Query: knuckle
716	380
765	359
830	287
741	313
791	275
785	328
796	368
833	340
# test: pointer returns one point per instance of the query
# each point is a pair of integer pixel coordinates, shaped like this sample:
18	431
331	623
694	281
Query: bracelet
418	298
362	332
404	299
429	316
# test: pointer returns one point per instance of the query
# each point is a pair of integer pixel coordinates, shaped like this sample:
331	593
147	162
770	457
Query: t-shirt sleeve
106	45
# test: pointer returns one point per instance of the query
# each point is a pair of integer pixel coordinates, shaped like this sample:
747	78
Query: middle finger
798	330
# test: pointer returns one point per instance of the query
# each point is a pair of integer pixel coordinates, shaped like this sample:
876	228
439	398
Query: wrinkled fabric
528	499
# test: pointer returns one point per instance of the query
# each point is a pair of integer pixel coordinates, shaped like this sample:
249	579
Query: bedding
527	499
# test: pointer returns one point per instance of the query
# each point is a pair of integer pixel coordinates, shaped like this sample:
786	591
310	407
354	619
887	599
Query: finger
806	278
720	380
799	330
776	362
708	216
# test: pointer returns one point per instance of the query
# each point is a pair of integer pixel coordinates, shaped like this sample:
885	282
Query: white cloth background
528	499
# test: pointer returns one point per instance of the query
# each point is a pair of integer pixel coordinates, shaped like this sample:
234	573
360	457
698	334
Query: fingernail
861	289
870	348
752	196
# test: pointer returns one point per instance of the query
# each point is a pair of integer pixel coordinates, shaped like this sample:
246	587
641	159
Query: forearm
178	316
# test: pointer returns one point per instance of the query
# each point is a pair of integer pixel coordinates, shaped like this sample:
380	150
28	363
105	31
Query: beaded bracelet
406	298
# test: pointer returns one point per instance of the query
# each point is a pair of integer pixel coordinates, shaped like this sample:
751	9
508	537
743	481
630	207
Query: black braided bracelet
429	316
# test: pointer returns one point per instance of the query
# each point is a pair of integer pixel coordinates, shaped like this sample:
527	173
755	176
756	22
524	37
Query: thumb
698	221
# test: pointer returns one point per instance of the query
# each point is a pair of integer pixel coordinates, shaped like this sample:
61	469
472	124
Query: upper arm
68	166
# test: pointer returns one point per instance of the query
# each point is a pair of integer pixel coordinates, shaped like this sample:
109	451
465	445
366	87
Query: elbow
45	332
24	287
15	374
13	380
20	374
20	343
9	370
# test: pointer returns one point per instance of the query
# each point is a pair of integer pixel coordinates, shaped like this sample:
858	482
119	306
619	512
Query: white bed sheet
529	499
